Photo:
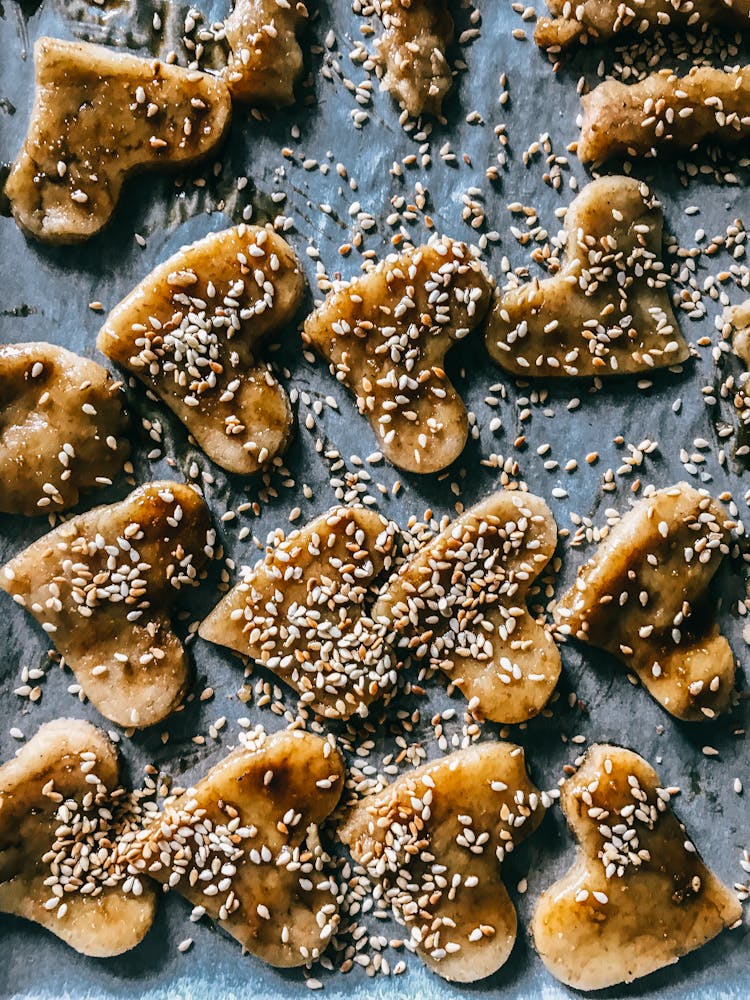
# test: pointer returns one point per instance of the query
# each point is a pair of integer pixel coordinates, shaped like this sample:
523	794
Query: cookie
435	840
386	335
665	112
265	58
638	895
304	611
63	428
242	845
65	834
606	20
193	331
412	53
607	311
645	597
104	587
98	117
459	602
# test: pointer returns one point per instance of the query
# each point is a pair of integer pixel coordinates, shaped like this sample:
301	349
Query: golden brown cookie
665	112
607	311
304	611
98	117
435	840
386	335
265	58
192	331
638	895
412	52
738	318
644	597
243	846
605	20
63	428
64	842
460	603
104	586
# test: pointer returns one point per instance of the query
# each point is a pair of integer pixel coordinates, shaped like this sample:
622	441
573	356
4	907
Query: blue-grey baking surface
44	295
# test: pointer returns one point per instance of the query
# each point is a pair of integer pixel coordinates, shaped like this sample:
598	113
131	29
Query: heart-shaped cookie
607	311
64	841
98	117
435	840
192	331
242	845
638	896
386	335
304	612
104	586
460	602
644	597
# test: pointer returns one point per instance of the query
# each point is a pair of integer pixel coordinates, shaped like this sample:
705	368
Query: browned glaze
460	601
53	817
638	896
62	428
263	874
98	116
644	598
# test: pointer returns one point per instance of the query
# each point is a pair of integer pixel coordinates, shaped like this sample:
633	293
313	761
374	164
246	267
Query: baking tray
45	294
